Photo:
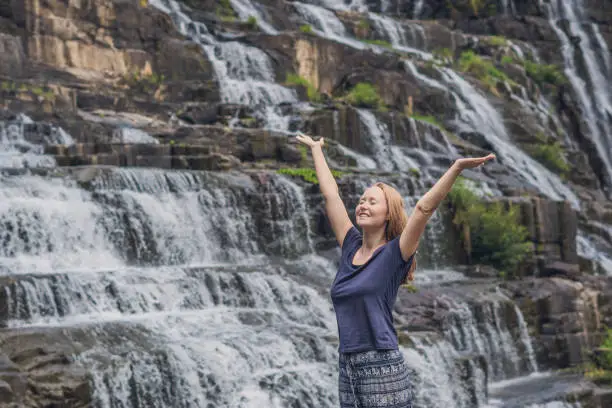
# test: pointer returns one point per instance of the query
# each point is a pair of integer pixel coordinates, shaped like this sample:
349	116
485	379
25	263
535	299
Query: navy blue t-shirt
363	295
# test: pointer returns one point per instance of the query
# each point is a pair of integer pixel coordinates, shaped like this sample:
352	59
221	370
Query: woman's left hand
471	162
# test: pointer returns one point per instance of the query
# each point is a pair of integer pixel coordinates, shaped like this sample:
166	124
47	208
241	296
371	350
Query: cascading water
591	87
244	73
175	310
418	8
438	380
170	282
483	329
209	329
412	42
475	113
326	24
246	10
22	143
391	157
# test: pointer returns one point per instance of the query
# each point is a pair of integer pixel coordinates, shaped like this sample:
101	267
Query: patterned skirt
375	379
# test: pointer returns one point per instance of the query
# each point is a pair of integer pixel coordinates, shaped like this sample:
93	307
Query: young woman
374	263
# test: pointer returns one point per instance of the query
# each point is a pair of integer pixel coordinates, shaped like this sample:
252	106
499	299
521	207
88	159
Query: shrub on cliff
311	91
552	156
365	95
544	73
599	368
491	232
309	175
483	69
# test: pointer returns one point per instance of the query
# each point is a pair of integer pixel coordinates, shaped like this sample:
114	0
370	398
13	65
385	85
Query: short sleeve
351	240
401	266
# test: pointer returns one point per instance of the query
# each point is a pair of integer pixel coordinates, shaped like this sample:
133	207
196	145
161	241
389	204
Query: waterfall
418	8
396	34
161	274
244	73
439	371
475	113
246	9
602	262
22	143
591	87
391	157
170	283
325	23
483	329
380	141
508	7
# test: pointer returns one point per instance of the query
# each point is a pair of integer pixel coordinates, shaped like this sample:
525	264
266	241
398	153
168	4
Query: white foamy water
593	90
325	23
586	249
439	377
244	73
22	143
411	41
247	9
163	277
475	113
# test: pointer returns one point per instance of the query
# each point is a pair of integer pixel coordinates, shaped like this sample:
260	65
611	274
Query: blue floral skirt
375	379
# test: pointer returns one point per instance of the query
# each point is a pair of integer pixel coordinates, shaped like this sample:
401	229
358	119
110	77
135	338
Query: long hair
396	220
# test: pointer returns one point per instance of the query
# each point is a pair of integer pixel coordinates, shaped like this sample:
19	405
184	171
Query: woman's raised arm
425	207
334	207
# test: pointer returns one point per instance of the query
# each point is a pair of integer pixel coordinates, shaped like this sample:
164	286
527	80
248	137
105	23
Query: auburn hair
396	220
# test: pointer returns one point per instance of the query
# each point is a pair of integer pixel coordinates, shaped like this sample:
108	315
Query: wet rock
467	367
561	269
566	317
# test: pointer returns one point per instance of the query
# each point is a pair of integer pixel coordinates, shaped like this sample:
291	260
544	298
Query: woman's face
372	208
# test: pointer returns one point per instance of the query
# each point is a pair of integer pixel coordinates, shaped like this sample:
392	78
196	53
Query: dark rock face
566	317
36	370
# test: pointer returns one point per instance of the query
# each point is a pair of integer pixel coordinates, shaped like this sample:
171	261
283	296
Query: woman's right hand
307	140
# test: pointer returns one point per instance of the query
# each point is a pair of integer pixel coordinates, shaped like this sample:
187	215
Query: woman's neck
372	240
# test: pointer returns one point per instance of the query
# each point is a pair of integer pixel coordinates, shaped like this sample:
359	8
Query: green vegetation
491	232
252	22
363	24
482	69
432	120
477	5
225	11
144	82
311	91
507	59
365	95
410	287
306	29
307	174
445	54
497	41
303	152
44	93
381	43
551	156
544	73
600	369
429	119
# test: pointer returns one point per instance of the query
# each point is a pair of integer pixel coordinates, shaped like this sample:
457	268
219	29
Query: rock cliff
205	95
